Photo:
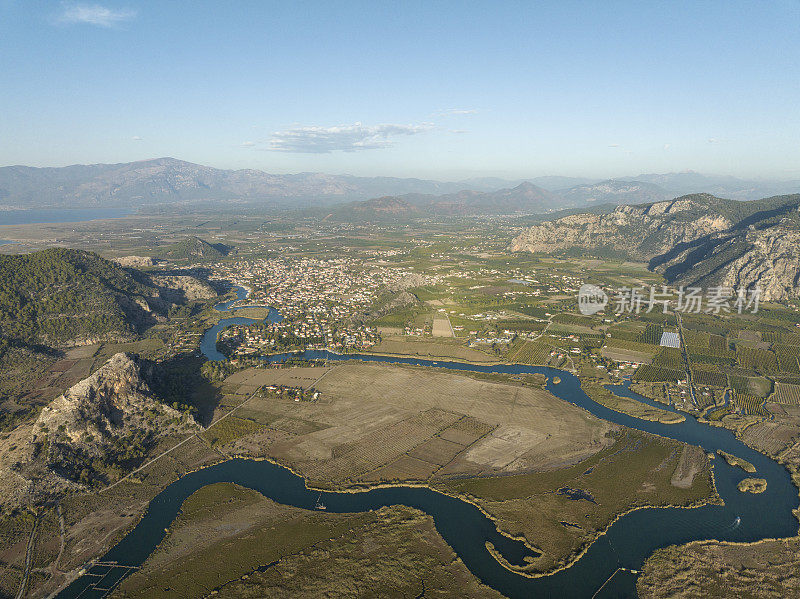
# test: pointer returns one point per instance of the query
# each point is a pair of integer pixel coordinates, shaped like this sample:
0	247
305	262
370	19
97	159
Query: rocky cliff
181	288
766	256
95	432
639	231
697	240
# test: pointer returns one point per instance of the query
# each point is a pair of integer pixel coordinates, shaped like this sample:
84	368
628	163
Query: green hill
193	249
59	296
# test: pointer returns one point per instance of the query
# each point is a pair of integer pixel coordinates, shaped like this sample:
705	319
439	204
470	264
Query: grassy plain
638	470
769	569
279	551
631	407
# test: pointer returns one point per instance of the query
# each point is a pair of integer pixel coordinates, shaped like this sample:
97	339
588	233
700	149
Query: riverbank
599	393
636	534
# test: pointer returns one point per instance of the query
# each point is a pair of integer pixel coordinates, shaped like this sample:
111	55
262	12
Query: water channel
607	569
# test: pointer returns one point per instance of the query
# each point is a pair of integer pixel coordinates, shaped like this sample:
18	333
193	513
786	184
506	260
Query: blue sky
434	89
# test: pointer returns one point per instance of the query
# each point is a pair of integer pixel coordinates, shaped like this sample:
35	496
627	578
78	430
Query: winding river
605	570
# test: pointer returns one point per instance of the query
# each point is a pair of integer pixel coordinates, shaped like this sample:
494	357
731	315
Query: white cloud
613	145
248	144
667	146
713	140
94	14
136	138
344	138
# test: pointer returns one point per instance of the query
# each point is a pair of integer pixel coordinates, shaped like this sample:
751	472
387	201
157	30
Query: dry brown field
391	422
441	327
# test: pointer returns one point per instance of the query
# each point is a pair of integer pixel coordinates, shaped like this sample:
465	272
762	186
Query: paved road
686	359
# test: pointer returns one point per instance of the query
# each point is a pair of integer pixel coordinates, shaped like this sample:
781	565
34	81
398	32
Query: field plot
629	351
711	378
437	451
669	357
770	437
628	331
386	422
441	327
757	359
466	431
709	355
786	393
749	404
625	355
708	396
432	349
403	468
230	429
536	353
647	373
787	358
747	335
634	346
304	376
718	343
383	446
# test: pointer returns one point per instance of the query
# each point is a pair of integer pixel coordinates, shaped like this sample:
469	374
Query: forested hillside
193	249
60	296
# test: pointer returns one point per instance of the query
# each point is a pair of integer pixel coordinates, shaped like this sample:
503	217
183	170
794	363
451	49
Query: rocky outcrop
697	240
389	303
135	261
111	403
767	258
95	432
639	231
179	288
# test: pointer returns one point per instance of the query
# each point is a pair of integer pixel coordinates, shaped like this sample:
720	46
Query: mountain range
525	197
173	184
694	240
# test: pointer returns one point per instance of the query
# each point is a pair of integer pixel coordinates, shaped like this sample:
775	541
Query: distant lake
59	215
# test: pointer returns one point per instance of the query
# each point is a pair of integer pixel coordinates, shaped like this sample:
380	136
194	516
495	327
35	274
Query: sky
436	89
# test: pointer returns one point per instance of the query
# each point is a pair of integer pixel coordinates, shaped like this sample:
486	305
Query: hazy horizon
466	177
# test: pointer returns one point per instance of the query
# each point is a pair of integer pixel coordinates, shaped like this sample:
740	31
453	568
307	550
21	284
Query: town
322	303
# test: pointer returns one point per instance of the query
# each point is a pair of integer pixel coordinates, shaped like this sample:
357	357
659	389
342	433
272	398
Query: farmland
377	422
648	373
500	439
749	404
531	352
709	378
756	359
787	393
